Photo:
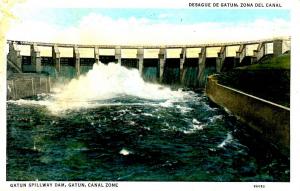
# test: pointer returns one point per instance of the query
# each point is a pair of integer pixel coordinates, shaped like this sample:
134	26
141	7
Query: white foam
148	114
103	83
195	121
196	126
147	128
183	109
227	140
215	118
30	102
168	103
125	152
110	81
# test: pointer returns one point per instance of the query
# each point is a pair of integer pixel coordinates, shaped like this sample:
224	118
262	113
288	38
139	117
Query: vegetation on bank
269	79
270	63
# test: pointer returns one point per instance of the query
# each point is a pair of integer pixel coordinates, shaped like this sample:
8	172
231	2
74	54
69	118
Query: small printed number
259	186
111	185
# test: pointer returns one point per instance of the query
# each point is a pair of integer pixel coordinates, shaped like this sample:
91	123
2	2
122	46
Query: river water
110	125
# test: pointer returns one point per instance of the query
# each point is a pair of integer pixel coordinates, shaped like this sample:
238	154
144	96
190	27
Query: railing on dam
40	56
154	46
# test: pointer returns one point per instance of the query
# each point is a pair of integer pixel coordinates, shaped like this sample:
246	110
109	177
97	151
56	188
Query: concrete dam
72	111
186	66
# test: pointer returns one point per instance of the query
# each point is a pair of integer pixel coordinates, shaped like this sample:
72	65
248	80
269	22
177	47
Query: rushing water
111	125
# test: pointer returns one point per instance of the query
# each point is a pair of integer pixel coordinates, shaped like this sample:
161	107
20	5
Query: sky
72	16
153	26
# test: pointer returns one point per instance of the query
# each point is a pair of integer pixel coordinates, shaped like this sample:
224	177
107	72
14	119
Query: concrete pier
241	53
201	65
246	54
182	60
140	57
35	58
14	57
260	52
118	54
277	48
76	57
56	57
221	58
162	61
96	54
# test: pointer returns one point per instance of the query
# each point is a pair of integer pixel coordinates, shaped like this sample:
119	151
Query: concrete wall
272	121
27	85
70	56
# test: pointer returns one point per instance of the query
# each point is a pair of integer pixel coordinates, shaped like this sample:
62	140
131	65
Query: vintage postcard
159	95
